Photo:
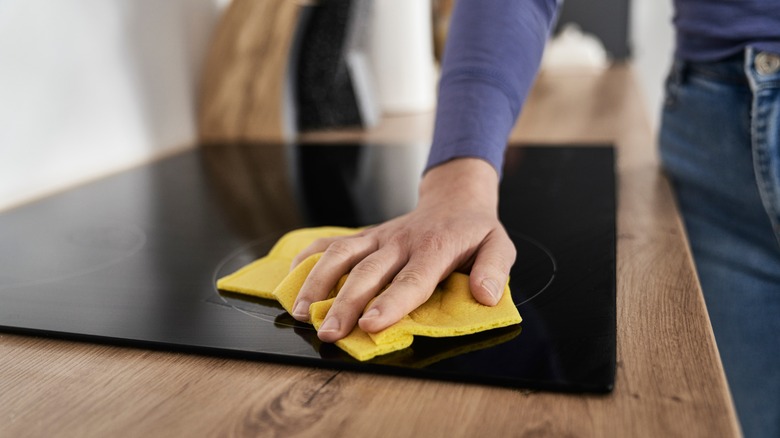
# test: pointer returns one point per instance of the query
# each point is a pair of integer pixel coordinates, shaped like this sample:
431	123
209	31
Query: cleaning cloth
450	311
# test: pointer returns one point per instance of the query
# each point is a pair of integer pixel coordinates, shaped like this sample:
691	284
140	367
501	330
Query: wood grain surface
242	92
669	379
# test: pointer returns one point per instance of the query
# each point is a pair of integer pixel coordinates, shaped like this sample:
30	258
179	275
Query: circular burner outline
547	252
134	229
221	265
272	318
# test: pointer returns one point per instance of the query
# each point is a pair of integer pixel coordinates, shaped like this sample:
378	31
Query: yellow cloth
450	311
261	277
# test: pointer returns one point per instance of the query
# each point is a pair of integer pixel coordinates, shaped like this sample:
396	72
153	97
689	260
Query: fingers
365	281
413	285
490	271
339	257
415	262
319	245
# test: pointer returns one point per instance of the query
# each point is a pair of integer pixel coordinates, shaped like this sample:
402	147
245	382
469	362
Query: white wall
91	86
652	38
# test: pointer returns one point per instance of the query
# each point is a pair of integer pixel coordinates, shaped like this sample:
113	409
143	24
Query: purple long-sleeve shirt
495	47
708	30
490	60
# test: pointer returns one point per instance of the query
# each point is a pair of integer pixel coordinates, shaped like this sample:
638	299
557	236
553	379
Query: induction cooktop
132	259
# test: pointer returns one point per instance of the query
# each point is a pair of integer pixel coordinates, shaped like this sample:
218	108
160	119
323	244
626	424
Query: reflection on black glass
424	351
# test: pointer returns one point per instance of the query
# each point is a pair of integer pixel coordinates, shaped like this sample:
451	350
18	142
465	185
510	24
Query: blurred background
89	87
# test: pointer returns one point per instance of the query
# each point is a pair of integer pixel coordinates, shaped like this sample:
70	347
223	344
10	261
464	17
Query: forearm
490	61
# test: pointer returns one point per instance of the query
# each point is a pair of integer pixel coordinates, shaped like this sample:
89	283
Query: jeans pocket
766	151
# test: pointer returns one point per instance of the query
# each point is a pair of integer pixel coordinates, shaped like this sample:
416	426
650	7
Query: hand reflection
424	352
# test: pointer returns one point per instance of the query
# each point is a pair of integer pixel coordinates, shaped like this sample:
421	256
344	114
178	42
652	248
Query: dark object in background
606	19
333	81
327	181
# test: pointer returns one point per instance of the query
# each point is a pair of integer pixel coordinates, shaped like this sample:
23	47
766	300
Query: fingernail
301	310
492	287
330	325
372	313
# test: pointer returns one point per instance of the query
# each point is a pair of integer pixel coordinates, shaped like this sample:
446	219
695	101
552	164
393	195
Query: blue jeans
720	146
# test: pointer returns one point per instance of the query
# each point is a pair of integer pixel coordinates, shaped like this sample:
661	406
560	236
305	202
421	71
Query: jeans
720	147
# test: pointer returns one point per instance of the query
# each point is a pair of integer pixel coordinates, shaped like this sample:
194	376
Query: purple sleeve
492	54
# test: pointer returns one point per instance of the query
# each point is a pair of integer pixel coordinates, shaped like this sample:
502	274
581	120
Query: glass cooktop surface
132	259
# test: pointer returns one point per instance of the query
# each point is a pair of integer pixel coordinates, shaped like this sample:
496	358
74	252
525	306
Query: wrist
471	180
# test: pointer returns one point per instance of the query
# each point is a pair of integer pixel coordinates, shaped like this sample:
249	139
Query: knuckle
511	253
399	238
316	283
347	303
296	260
501	264
430	241
301	256
411	277
501	257
400	304
496	265
368	268
341	249
320	242
314	287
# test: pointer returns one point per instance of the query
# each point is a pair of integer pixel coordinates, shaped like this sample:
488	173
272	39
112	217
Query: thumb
490	271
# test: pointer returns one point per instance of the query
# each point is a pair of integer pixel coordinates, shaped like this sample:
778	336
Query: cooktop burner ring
107	243
270	311
239	257
516	235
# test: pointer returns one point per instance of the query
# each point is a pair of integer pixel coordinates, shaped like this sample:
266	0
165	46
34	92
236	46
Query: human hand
455	226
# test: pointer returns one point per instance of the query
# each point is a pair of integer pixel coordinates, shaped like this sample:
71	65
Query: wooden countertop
669	379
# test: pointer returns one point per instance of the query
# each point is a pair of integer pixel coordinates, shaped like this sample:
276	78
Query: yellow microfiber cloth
450	311
261	277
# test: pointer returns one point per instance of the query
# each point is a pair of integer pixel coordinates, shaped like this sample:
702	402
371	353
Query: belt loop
749	71
679	71
674	82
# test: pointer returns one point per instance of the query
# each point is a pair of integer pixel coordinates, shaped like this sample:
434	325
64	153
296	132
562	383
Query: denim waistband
731	70
739	69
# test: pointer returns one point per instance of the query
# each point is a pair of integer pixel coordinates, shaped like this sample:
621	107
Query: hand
455	226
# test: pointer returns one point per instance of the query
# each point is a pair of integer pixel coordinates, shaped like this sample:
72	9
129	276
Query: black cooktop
132	259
